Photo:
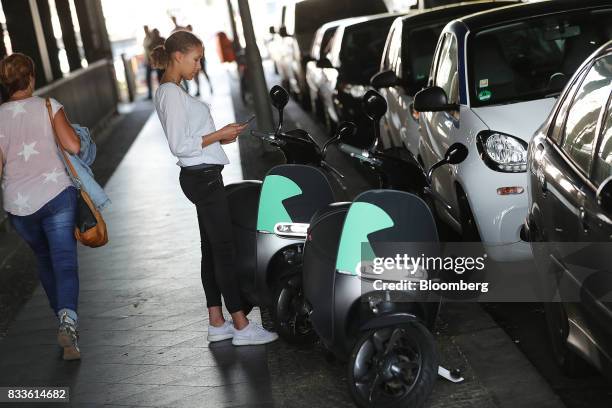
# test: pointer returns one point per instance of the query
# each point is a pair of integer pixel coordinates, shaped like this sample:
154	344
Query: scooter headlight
502	152
291	229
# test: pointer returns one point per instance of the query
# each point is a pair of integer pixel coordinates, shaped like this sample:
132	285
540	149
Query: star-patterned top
33	171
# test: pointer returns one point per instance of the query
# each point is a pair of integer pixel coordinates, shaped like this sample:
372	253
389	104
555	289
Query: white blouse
185	120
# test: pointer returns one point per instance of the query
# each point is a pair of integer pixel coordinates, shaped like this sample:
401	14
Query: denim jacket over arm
81	163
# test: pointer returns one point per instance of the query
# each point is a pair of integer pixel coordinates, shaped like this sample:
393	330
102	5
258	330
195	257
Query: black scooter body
262	256
340	311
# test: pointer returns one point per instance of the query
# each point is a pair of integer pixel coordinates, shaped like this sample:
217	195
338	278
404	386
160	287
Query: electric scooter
395	168
268	216
384	334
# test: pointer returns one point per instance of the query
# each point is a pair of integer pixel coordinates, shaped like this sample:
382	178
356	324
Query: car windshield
535	58
362	48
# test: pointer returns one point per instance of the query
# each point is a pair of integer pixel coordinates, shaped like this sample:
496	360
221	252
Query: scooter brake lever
327	166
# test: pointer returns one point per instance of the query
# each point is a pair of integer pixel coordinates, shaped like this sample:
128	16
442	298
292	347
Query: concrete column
68	35
26	35
93	30
47	27
235	39
257	79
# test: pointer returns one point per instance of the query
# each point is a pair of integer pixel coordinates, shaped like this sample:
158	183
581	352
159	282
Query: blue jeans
50	234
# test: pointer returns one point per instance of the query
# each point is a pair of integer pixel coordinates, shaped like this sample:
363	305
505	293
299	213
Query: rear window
312	14
419	54
362	48
534	58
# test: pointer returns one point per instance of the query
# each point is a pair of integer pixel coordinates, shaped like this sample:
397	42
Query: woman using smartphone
192	138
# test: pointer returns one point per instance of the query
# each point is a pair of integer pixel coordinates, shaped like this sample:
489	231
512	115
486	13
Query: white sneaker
252	335
221	333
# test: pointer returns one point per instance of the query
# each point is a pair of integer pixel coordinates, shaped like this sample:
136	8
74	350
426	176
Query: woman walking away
37	193
193	139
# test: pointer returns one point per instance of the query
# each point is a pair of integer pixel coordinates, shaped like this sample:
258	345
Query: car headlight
502	152
355	90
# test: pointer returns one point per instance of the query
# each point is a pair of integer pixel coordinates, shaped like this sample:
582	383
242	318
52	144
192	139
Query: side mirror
279	97
282	31
456	153
433	99
374	105
384	79
346	130
272	30
604	197
324	63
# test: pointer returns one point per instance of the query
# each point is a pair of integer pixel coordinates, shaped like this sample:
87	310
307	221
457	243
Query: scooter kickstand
454	376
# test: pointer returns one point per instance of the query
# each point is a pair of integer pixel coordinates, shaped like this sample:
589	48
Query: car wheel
393	366
557	324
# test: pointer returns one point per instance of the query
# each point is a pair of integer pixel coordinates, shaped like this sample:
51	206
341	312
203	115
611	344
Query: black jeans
205	189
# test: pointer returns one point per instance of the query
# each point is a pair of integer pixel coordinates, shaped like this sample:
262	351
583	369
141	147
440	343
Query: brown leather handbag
90	229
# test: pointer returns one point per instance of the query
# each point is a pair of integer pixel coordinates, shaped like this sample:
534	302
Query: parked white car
494	79
314	74
405	65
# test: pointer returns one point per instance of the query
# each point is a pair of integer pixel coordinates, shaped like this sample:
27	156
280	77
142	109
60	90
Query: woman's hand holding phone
229	133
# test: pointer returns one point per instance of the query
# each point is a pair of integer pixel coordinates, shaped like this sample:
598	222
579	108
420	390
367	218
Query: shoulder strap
65	158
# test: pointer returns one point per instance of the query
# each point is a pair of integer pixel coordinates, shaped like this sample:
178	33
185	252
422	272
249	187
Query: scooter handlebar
362	155
269	137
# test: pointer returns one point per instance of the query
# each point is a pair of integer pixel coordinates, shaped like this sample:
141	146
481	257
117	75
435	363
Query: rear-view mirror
604	197
374	105
279	97
384	79
432	99
456	153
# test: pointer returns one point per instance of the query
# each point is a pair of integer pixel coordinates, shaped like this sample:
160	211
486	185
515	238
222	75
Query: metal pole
235	39
257	79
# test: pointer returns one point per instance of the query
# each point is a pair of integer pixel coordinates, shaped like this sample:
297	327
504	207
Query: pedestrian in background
192	138
156	40
38	194
202	67
146	45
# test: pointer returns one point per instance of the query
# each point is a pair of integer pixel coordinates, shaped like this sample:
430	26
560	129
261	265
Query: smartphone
249	120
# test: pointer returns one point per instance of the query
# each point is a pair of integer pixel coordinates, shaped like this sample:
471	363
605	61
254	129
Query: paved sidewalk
143	328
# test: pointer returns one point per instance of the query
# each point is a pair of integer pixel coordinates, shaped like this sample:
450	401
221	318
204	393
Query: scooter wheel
393	366
291	317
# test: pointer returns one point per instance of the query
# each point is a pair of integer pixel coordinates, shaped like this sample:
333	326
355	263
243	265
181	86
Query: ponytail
181	41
